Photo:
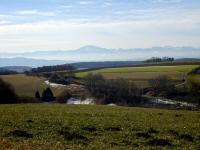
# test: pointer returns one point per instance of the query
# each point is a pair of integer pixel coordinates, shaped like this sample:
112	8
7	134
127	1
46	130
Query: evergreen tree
37	95
47	95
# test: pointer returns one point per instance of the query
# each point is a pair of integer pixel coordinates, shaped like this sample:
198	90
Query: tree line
65	67
160	59
7	72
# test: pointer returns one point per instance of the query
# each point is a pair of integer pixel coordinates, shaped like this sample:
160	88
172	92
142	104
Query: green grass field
141	75
142	72
46	127
28	85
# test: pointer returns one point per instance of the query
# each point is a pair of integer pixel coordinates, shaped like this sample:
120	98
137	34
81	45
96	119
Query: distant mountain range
20	61
25	64
104	57
19	69
93	53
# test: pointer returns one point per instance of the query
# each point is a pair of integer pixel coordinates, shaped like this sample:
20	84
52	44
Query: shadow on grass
184	136
29	121
152	131
147	134
20	133
112	129
179	115
143	135
74	135
159	142
89	129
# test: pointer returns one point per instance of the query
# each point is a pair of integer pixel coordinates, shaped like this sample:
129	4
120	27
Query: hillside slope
96	127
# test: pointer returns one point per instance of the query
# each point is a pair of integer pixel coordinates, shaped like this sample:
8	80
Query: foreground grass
47	127
28	85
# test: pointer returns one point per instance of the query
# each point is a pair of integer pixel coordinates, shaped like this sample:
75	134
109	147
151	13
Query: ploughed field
48	126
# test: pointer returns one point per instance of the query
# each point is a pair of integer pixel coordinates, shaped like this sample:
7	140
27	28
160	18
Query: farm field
46	127
28	85
141	75
143	72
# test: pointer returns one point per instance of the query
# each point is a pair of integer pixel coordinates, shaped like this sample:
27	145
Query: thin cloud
86	2
107	23
52	35
35	12
4	22
107	4
66	6
167	1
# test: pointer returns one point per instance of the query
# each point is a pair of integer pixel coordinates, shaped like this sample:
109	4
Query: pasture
141	75
46	127
27	85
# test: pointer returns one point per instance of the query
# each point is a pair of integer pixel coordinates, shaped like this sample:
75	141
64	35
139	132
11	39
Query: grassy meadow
46	127
28	85
142	72
141	75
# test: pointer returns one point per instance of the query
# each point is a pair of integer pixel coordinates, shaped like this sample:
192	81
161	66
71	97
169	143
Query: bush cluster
118	91
163	86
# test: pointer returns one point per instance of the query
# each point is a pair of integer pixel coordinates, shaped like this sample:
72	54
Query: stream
78	101
153	101
169	102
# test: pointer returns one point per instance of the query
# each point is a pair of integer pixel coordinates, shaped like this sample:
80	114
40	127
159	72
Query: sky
35	25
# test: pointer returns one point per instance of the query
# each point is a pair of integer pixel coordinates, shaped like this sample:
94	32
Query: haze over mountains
94	53
21	61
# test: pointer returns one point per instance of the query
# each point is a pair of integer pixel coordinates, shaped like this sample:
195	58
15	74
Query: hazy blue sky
30	25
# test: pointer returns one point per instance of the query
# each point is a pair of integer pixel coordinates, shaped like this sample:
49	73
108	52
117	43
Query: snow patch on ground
55	85
171	102
78	101
111	104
